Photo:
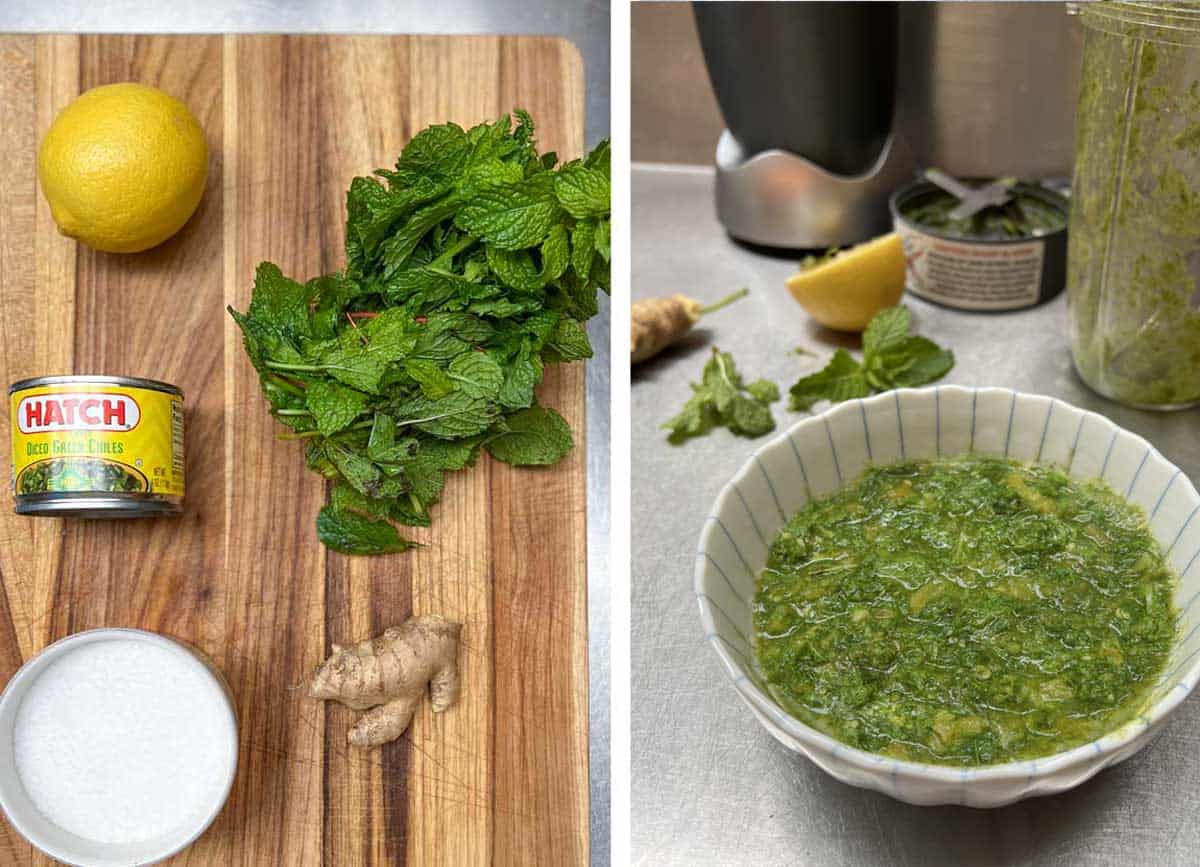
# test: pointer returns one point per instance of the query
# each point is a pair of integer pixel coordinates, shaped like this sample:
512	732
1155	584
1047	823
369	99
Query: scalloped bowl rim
1098	753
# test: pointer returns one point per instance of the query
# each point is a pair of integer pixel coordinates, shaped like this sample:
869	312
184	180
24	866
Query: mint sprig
723	399
892	358
470	266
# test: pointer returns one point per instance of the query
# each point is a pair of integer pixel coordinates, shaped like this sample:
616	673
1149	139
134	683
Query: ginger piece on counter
656	323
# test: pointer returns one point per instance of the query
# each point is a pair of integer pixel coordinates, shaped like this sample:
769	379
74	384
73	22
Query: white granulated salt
123	740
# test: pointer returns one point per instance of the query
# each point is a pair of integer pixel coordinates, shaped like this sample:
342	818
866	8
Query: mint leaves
841	379
723	399
353	533
532	436
892	358
470	266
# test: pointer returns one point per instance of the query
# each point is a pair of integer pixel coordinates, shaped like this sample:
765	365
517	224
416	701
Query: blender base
779	199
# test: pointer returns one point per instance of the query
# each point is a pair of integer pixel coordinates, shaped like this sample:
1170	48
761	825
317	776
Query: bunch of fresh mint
721	398
470	266
892	358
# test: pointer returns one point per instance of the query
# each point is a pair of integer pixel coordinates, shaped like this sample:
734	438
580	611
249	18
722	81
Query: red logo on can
45	413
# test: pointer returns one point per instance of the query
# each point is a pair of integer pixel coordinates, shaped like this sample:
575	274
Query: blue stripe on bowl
716	636
1175	669
1012	411
1137	473
833	451
1163	495
771	485
974	401
1179	665
741	595
862	408
712	603
1075	445
1186	659
753	520
1179	535
1190	563
1108	454
736	549
800	461
1192	632
1045	428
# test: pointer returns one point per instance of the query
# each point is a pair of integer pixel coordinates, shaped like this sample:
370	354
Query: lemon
846	290
123	167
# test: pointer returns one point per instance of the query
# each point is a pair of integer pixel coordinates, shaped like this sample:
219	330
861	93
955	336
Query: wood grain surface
501	777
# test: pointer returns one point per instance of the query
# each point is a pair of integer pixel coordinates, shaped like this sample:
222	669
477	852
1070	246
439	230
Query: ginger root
656	323
386	676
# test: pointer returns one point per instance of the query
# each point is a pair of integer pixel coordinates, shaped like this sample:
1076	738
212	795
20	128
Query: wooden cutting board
502	777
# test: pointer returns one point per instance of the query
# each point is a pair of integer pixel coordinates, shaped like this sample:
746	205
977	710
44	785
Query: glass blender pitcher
1133	268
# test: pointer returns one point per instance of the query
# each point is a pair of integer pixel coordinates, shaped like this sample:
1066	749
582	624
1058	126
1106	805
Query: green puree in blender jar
965	612
1134	246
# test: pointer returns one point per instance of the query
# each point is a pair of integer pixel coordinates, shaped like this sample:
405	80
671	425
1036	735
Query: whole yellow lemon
123	167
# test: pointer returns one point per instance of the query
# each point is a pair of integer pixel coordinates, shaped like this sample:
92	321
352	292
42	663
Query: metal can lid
85	379
87	504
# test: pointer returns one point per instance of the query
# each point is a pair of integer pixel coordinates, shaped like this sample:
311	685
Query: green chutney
965	612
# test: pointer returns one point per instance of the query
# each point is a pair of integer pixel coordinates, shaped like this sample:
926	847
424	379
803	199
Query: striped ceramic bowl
821	453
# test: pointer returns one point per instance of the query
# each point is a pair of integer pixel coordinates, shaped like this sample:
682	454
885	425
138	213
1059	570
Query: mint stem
298	435
287	385
448	256
301	435
280	365
726	301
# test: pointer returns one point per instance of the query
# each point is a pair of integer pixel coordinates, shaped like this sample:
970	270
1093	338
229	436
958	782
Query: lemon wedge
845	290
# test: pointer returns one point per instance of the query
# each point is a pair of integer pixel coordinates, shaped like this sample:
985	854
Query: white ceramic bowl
823	452
69	848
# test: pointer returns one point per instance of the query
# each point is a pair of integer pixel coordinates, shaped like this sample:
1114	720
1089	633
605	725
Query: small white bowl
70	848
823	452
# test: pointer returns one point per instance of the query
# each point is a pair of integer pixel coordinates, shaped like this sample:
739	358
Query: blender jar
1133	268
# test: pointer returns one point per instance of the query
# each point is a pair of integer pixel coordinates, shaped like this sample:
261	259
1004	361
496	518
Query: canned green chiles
994	261
97	446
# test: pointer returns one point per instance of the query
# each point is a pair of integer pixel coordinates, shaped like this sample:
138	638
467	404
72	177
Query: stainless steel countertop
710	786
585	23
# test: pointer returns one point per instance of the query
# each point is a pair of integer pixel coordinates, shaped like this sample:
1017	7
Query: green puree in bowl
965	612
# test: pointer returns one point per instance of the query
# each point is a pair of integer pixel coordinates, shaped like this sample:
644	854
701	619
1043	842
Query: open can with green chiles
1004	257
97	446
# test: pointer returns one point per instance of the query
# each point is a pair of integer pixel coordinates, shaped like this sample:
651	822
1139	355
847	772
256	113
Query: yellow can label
97	437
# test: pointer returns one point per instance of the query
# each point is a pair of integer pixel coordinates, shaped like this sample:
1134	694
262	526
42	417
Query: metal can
989	274
97	446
